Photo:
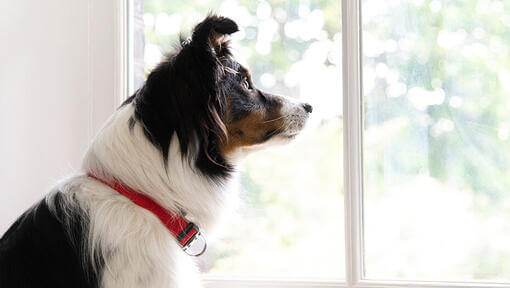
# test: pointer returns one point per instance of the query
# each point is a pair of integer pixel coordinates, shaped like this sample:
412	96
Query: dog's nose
308	108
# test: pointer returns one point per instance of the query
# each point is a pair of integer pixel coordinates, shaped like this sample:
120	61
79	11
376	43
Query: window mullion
352	117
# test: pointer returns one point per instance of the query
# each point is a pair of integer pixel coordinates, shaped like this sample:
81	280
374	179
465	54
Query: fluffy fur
178	140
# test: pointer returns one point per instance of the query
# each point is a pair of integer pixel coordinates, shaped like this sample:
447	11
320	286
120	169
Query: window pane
290	223
436	86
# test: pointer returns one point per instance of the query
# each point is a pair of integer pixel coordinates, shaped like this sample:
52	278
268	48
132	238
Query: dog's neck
122	153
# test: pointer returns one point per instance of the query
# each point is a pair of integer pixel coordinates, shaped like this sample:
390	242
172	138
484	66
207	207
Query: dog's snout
308	108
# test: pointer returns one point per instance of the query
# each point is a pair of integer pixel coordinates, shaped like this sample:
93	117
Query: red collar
186	233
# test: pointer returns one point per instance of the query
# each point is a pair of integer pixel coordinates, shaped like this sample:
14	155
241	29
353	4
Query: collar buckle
196	245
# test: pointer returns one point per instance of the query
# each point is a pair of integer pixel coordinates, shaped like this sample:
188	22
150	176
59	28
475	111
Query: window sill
228	282
240	282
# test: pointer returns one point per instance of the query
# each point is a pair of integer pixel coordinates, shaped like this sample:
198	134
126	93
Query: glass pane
290	222
436	86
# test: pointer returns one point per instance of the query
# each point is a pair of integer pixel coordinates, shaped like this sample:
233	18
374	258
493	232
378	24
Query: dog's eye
245	83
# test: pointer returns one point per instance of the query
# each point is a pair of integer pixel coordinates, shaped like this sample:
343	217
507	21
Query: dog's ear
183	95
195	75
208	43
212	33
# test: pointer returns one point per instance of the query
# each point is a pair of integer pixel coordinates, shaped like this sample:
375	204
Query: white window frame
117	62
108	59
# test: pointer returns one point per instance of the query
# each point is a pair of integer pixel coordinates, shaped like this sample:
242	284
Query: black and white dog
166	157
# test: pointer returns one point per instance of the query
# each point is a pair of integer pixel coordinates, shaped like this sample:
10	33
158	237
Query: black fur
182	95
46	248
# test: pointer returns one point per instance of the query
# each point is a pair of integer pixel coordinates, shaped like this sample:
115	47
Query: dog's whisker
281	117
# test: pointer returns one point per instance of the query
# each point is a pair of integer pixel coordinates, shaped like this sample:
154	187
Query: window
425	123
290	223
436	91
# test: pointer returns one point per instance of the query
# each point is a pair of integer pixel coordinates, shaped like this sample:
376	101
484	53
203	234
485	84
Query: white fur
241	153
139	251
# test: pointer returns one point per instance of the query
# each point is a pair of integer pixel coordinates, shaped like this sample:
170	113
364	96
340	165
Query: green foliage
458	50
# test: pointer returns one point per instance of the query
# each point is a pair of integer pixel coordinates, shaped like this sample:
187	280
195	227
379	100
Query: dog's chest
149	259
138	251
176	271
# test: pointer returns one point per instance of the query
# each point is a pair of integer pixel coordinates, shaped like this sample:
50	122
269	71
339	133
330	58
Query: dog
156	178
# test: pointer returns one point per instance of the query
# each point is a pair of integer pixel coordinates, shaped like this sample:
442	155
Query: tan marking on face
250	130
248	74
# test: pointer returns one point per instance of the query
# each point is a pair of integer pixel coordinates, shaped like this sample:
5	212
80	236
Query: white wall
57	85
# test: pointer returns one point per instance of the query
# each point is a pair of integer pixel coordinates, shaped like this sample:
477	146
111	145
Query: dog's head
205	97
